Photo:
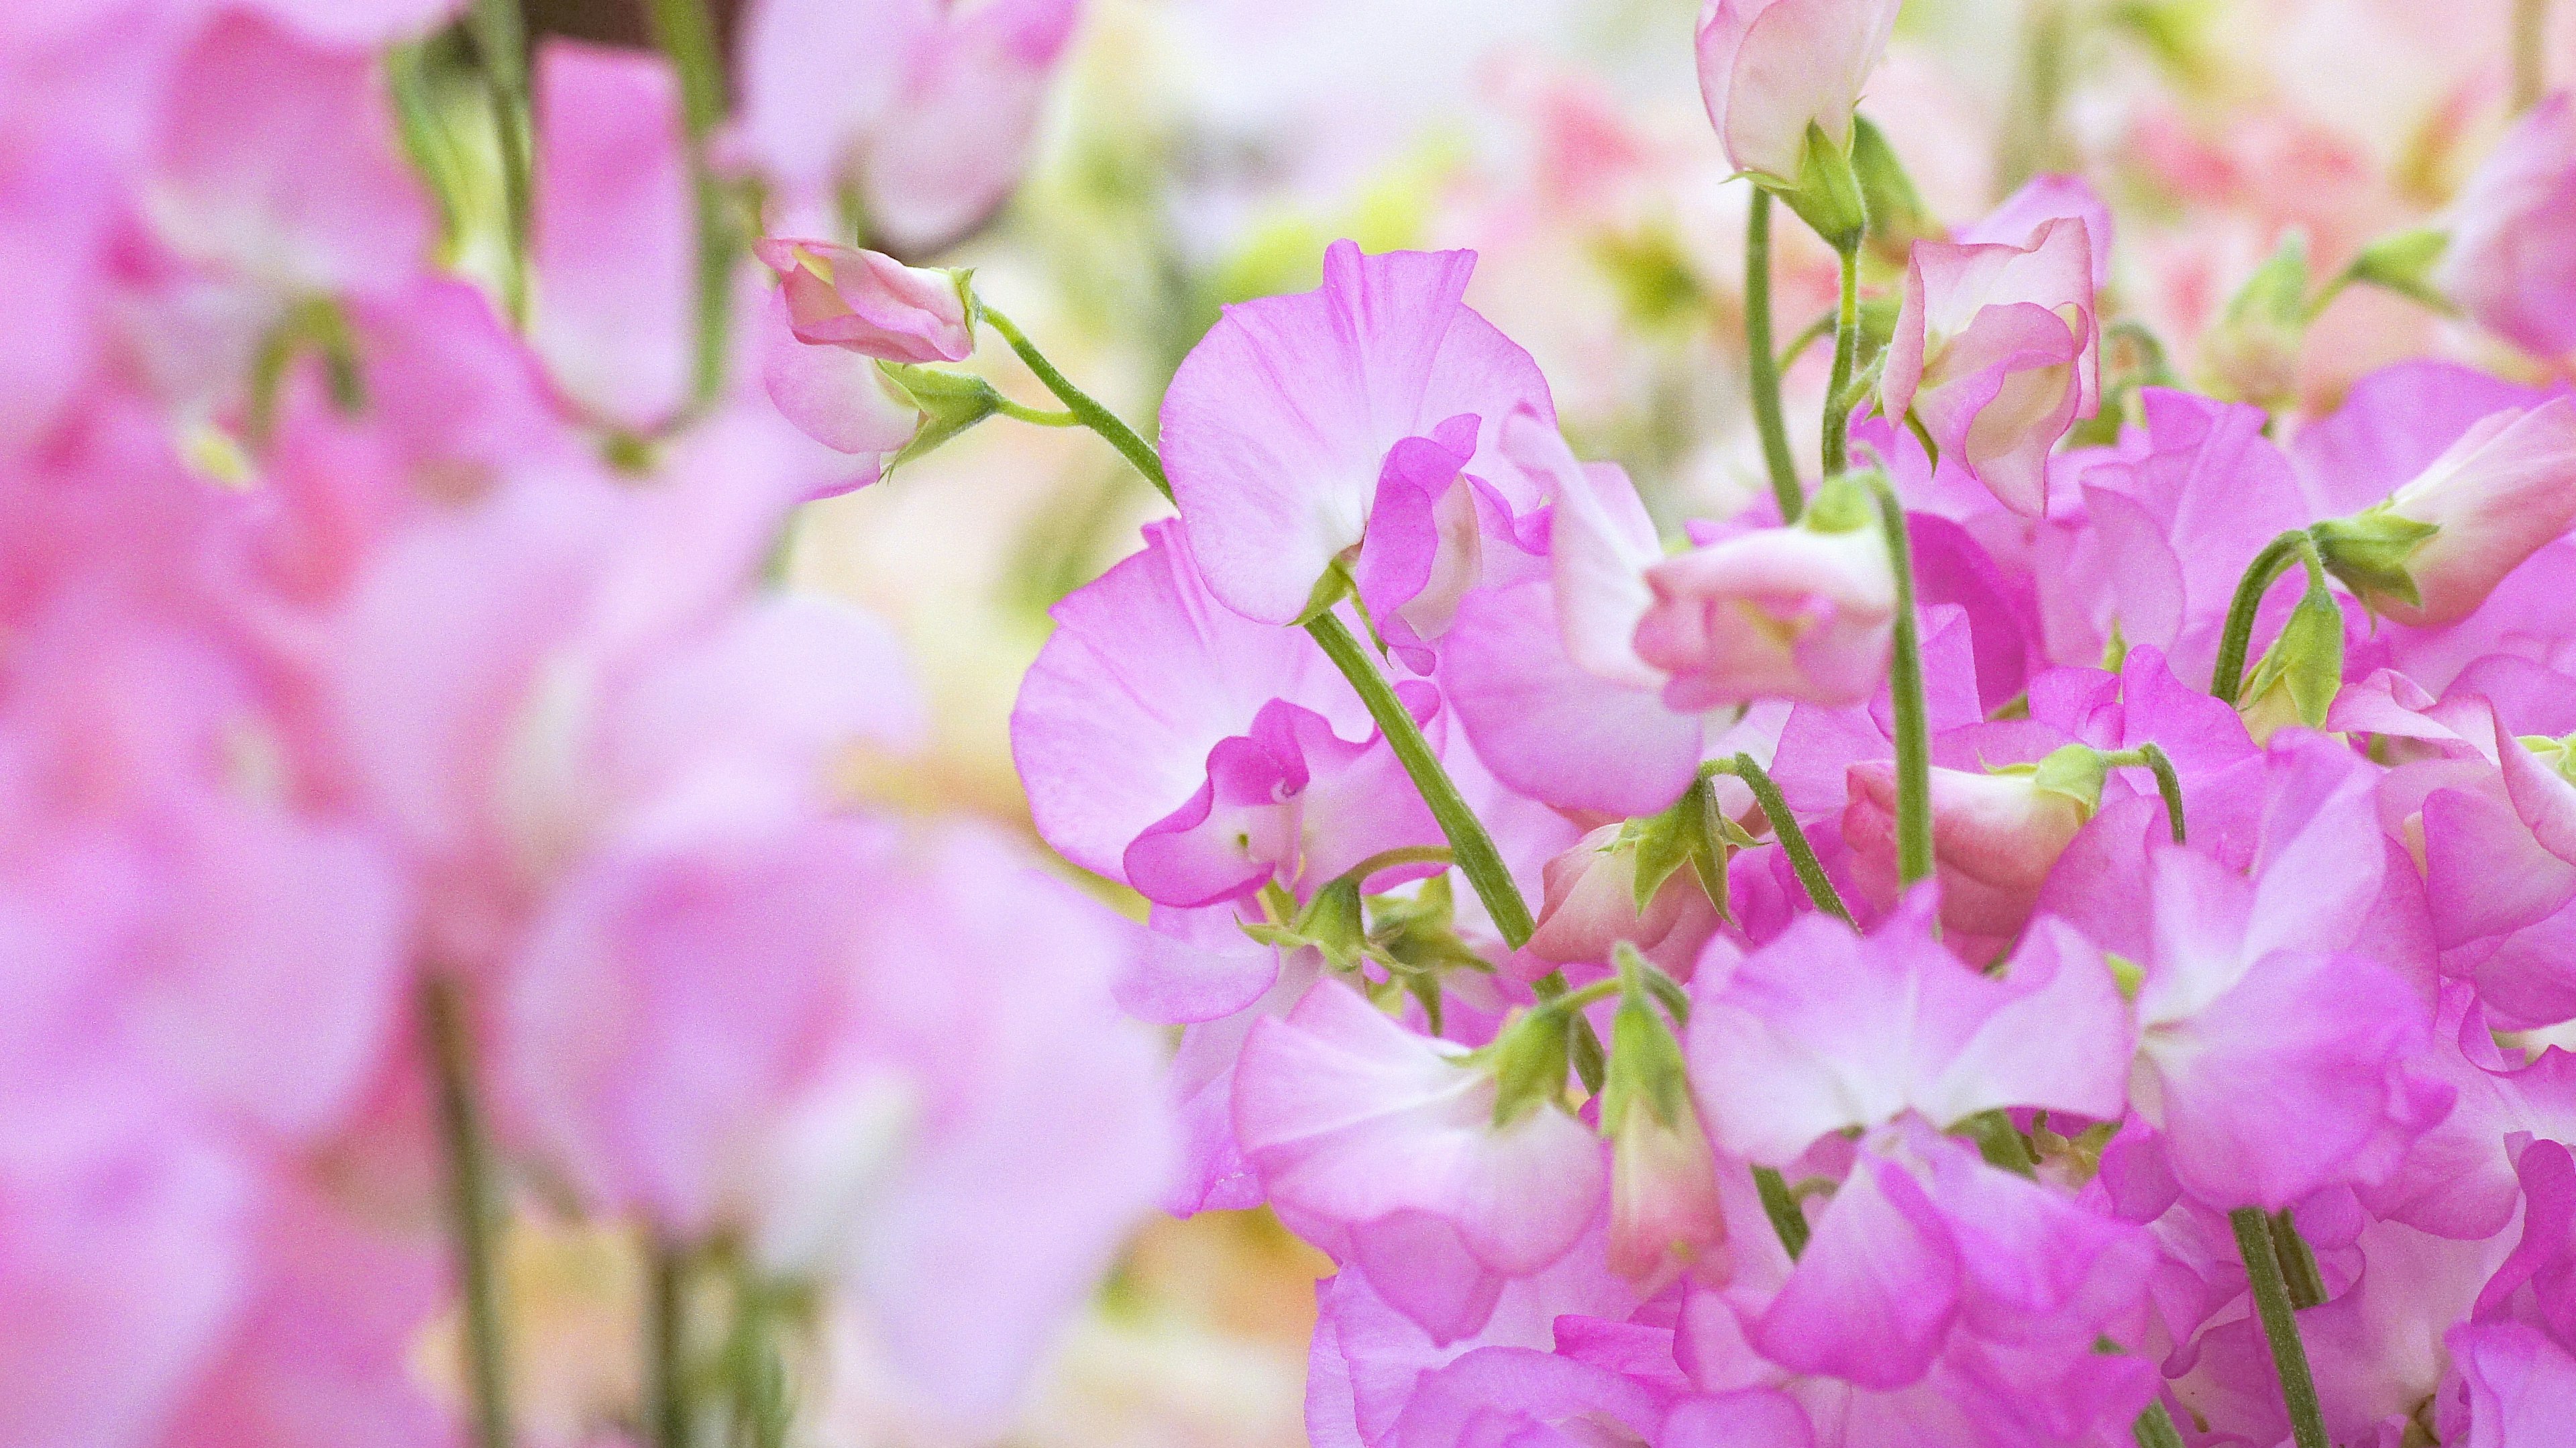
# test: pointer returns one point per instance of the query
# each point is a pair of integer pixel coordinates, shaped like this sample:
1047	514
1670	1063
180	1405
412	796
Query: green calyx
950	403
2403	262
1694	832
2304	666
1646	1067
1844	504
1529	1061
2075	771
1397	945
1896	215
2370	551
1826	194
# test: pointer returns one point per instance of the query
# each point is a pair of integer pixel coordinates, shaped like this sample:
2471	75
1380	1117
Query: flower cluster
428	830
2047	933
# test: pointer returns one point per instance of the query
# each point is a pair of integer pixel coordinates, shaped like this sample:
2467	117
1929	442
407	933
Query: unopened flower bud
2512	259
1995	837
1663	1178
2297	678
1779	76
866	301
1591	905
1796	612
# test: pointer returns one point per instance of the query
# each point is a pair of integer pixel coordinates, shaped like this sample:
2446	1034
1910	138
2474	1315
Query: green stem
501	39
665	1347
1090	413
2155	1428
2168	783
1905	688
688	36
1766	373
2530	60
2280	1327
1822	326
1781	1206
1400	855
2307	1288
2266	569
1785	829
1041	417
1846	347
470	1210
425	139
1473	848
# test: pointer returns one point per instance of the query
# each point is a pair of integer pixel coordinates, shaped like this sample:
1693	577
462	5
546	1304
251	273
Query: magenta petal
1876	1290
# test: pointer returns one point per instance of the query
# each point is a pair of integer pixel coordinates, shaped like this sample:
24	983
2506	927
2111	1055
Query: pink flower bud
1781	613
1996	350
1994	839
2502	492
1770	69
1592	904
2512	259
866	301
1663	1190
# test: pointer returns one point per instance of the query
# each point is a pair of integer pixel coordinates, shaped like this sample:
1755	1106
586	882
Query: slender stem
2168	784
470	1210
1400	855
2266	569
1040	416
425	139
1581	996
1473	848
1766	373
687	35
2530	59
665	1347
1822	326
1846	347
2155	1428
1090	413
1905	687
1781	1206
1793	839
2299	1273
501	39
2280	1327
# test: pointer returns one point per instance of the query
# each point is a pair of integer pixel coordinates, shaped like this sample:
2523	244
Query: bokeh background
1198	152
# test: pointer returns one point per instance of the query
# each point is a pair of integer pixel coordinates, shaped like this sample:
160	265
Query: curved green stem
2168	783
1905	689
1040	416
1793	840
2280	1326
1837	442
1089	413
1470	844
501	40
470	1210
2266	569
687	35
1766	372
1781	1205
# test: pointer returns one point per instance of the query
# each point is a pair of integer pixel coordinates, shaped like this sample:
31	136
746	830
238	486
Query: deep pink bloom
866	301
1298	420
1769	69
2512	257
1996	347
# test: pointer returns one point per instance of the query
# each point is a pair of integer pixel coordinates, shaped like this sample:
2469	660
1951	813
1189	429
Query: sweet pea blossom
2511	262
1994	839
869	303
1775	613
1360	419
1771	69
2443	541
1996	348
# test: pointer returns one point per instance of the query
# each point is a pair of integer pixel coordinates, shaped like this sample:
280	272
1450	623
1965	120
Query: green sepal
2127	974
1843	504
1334	586
2369	551
950	403
1897	217
1646	1067
2403	263
319	325
2306	661
1827	194
1693	832
1332	923
1418	934
2252	354
2075	771
1529	1061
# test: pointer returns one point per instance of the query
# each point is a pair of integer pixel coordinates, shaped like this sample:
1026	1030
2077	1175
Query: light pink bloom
613	252
1591	903
1298	419
927	108
1353	1120
866	301
1775	613
1769	69
2041	200
2498	495
2512	257
837	396
1822	1029
1994	839
1996	347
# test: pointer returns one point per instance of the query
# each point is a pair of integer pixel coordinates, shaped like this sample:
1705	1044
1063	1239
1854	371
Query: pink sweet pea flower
1775	613
2512	257
2515	1356
1996	348
866	301
1822	1029
1770	69
1995	837
1344	421
837	396
925	108
2041	200
2500	493
1357	1123
1591	904
612	252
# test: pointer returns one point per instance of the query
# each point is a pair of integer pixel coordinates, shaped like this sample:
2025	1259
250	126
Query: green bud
1844	504
2075	771
2403	263
950	403
1694	832
1331	922
2300	674
1827	195
1529	1063
2369	552
2252	355
1646	1067
1897	216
